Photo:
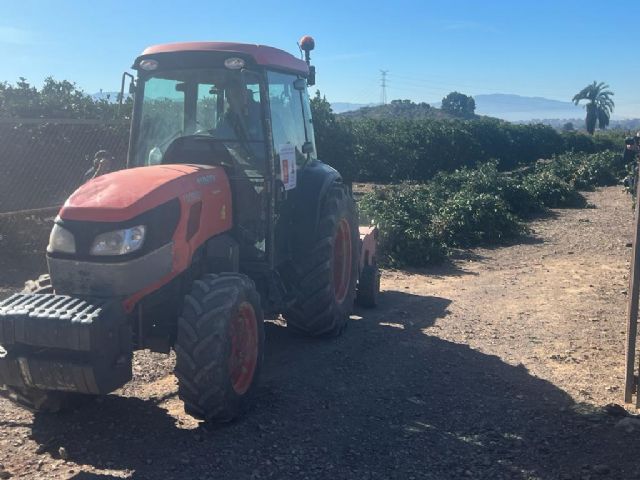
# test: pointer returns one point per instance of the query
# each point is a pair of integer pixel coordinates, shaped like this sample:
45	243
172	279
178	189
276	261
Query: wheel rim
342	261
244	348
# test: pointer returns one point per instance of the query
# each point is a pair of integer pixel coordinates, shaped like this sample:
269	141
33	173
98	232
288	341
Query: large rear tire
219	347
35	399
326	277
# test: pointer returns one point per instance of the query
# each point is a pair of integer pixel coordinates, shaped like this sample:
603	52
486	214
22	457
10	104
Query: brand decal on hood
205	179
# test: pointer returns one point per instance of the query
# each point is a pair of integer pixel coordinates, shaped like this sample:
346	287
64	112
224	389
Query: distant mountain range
517	108
506	106
513	108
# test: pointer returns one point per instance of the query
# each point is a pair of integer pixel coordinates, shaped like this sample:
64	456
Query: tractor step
59	342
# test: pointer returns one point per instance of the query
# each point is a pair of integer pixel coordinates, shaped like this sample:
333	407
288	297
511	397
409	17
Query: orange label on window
288	166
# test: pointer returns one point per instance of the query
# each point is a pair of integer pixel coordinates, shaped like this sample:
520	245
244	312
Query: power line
435	89
435	82
383	84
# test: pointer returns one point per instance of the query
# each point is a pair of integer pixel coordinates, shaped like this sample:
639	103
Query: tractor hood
122	195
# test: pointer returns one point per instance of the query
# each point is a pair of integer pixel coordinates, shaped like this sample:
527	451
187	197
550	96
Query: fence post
632	309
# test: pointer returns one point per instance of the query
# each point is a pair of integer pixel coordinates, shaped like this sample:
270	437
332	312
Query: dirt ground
495	366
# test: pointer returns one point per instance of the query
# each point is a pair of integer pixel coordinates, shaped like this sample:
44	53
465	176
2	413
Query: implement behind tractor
224	215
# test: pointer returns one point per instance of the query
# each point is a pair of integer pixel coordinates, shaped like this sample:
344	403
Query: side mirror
121	94
300	84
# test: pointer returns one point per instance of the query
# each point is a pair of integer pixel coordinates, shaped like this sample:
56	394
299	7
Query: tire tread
201	344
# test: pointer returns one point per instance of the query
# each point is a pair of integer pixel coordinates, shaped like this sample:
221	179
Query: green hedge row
421	223
392	150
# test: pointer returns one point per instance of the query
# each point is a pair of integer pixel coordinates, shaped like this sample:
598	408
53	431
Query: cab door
292	131
293	147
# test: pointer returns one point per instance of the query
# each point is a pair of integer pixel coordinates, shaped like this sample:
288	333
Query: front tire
219	347
326	276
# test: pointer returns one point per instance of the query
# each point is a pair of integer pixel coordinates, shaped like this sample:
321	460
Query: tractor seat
198	149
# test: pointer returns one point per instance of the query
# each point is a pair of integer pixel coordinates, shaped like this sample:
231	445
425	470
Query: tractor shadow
385	400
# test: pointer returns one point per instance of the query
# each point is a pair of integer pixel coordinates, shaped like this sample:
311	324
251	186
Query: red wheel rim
244	348
342	261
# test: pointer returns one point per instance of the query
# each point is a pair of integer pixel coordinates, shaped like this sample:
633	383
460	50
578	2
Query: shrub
420	224
404	214
584	172
520	200
469	219
487	179
551	191
483	179
597	170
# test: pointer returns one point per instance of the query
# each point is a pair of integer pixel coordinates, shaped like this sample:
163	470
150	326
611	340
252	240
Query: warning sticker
288	166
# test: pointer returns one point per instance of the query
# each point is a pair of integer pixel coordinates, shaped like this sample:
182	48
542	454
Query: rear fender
302	210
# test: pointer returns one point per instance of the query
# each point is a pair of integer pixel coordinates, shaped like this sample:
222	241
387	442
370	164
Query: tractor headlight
119	242
61	240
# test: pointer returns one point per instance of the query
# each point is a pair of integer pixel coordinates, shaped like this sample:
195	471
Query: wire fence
43	161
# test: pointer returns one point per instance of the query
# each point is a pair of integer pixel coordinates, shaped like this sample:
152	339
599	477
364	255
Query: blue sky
536	48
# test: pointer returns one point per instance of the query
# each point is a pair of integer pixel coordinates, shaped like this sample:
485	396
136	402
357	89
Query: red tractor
224	215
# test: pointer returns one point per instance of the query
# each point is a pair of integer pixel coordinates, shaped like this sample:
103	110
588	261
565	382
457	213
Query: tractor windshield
223	105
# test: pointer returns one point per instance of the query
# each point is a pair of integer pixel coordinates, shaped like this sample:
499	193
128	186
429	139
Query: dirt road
495	366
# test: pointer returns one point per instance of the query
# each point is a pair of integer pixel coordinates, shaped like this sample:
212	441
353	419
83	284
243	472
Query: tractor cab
242	107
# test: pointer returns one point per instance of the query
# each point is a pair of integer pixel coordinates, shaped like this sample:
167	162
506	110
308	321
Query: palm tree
599	106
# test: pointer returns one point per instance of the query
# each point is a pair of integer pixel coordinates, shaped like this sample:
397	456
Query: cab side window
306	105
288	114
206	108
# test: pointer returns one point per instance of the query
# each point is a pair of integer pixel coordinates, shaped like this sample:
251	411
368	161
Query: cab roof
261	54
